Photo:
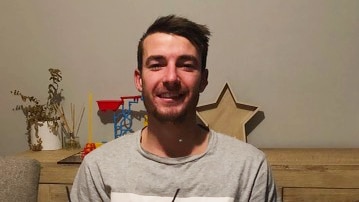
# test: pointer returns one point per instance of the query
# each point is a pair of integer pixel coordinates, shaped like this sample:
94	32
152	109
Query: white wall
297	60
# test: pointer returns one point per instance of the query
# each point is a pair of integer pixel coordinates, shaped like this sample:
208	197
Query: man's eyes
188	66
192	66
155	66
185	65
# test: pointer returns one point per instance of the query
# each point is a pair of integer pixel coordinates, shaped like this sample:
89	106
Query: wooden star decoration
226	115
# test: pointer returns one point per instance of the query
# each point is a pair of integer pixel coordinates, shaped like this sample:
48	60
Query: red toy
87	149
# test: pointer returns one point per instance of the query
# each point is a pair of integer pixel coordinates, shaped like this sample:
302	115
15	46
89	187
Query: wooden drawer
58	173
320	194
341	176
53	192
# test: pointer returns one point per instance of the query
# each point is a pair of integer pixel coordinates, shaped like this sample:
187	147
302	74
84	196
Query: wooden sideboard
300	174
54	177
316	174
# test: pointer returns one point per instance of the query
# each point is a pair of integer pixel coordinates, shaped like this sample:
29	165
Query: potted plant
39	114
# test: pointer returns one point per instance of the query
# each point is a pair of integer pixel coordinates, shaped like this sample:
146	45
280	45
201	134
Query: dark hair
197	34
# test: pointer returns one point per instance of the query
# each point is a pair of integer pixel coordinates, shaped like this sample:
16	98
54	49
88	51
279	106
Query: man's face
171	77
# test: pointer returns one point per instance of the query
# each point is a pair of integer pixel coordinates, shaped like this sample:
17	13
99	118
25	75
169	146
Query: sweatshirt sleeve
264	188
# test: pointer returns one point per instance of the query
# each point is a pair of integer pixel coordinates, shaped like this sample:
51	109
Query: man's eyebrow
154	58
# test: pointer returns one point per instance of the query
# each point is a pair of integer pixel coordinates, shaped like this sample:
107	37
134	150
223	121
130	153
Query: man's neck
174	139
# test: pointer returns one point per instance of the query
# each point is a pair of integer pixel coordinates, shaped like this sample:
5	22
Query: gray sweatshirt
120	170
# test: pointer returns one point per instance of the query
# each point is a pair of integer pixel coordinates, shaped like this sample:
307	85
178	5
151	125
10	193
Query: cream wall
297	60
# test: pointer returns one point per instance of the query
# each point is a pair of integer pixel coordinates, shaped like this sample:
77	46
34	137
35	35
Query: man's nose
171	77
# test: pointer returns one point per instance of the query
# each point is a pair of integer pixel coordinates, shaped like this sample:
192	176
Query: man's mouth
170	95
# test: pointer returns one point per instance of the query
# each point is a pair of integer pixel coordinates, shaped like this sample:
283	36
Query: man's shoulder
234	146
117	147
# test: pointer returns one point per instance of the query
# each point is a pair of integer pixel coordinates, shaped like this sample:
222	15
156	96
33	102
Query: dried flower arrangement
36	114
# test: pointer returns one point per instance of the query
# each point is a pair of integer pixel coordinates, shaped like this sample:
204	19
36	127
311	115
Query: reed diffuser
70	127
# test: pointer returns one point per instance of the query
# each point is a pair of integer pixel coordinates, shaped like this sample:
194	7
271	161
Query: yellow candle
89	130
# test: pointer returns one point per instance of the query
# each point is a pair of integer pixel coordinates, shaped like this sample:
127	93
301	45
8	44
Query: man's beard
171	116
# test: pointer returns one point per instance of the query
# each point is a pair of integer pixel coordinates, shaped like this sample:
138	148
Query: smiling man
173	158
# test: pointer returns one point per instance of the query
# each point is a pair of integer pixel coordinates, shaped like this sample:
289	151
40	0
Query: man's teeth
169	95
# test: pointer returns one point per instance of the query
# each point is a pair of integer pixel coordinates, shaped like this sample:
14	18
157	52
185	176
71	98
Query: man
173	158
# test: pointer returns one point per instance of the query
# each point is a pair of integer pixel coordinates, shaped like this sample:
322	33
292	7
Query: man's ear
204	80
138	80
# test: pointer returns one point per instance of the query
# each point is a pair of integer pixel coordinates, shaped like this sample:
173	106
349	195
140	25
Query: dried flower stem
82	114
63	117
